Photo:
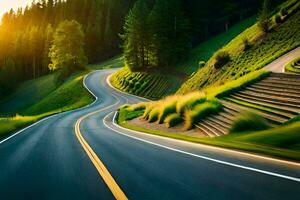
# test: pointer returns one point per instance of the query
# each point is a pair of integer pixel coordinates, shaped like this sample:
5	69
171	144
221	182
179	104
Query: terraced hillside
261	49
276	98
149	85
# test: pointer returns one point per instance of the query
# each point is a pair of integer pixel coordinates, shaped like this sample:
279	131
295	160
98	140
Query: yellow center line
102	170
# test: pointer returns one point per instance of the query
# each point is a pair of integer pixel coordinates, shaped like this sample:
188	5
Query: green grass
264	49
205	50
124	114
38	98
281	142
196	105
173	120
293	66
249	122
28	94
149	85
236	85
200	112
70	95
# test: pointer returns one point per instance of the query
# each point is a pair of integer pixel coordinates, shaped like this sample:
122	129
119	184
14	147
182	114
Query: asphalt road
46	161
278	64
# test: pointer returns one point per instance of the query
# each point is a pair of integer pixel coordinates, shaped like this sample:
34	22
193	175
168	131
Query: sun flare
6	5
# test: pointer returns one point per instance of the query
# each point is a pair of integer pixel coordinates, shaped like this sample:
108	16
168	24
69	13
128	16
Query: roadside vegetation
293	66
70	95
195	106
149	85
281	142
251	50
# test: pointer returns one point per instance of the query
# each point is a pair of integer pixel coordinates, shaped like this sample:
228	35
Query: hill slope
263	49
165	83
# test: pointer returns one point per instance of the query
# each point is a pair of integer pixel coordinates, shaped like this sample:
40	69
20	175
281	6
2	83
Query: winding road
83	154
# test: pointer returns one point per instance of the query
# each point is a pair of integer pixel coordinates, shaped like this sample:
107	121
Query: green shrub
221	59
126	114
153	115
148	109
168	107
138	106
189	101
249	122
192	117
173	120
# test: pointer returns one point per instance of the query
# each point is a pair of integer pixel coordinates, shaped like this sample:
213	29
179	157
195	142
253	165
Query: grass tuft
249	122
189	101
173	120
201	111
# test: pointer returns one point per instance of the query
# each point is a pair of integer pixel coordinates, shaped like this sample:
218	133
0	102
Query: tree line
158	34
155	34
26	35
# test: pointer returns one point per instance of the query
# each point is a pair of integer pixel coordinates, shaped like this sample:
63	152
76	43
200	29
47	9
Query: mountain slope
263	49
167	82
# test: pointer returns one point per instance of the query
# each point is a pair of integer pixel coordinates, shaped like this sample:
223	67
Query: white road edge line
203	145
195	155
40	121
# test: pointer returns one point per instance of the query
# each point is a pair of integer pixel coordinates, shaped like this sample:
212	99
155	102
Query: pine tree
170	39
136	37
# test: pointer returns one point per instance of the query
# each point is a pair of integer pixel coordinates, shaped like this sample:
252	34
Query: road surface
278	64
48	161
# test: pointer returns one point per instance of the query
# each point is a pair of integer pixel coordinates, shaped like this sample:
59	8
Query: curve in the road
48	162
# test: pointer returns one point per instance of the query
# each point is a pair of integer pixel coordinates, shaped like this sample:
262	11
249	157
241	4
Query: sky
6	5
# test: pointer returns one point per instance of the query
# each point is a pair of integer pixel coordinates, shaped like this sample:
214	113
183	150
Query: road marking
192	154
102	170
46	118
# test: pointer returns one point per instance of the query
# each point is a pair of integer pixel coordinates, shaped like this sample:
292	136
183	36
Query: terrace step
273	118
222	117
219	130
286	107
219	122
288	88
281	82
284	100
283	90
272	92
207	130
285	75
214	130
293	80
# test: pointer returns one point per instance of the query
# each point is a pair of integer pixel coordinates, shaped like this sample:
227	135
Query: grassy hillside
149	85
205	50
68	96
161	84
28	94
36	99
261	49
